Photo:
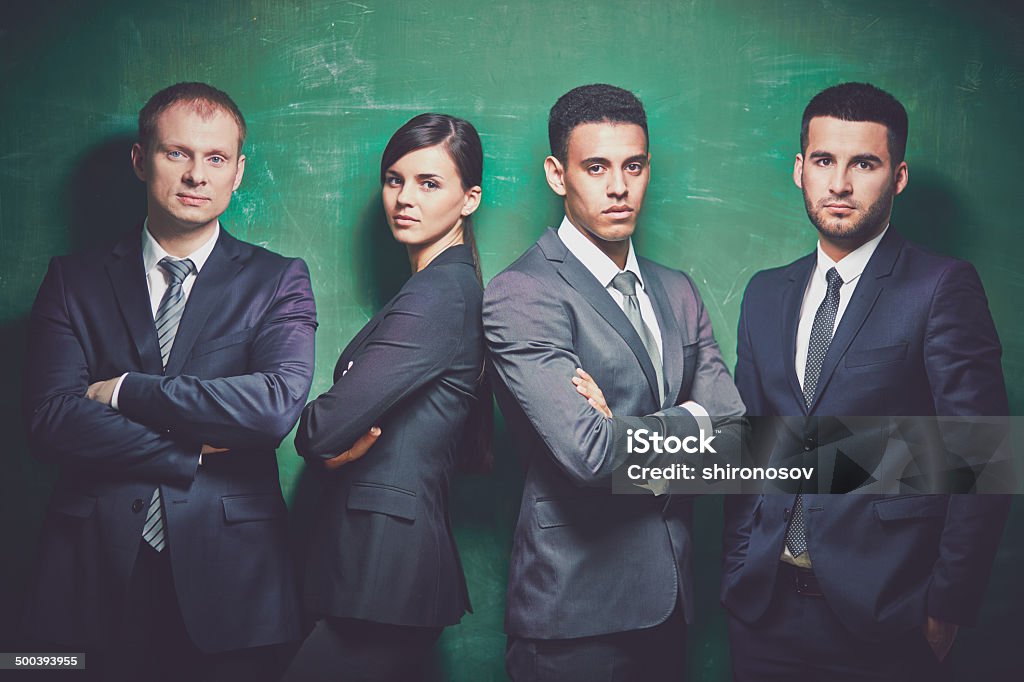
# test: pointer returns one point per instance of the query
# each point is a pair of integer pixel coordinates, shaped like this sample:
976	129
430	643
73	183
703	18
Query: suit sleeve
414	343
530	343
962	359
253	410
713	386
67	428
738	509
748	377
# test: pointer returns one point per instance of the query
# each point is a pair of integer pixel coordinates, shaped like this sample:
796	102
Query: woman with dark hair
383	572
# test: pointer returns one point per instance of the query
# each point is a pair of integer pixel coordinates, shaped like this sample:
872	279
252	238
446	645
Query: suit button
809	443
137	506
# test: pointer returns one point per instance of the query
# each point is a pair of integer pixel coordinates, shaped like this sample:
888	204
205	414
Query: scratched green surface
323	84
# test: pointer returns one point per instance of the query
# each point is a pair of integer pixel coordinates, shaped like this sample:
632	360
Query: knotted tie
168	315
821	337
625	283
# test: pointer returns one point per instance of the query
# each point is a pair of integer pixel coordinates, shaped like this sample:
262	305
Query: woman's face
424	199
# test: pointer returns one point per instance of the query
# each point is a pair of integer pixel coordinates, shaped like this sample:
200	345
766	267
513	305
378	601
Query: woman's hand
358	449
588	388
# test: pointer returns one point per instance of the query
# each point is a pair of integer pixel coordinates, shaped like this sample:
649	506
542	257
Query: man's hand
940	636
357	450
588	388
211	450
102	391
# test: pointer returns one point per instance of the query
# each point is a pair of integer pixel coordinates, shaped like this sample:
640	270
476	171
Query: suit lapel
673	331
207	293
868	289
125	269
792	298
581	279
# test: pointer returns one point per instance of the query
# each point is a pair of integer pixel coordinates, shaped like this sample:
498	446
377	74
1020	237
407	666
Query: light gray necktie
821	337
168	315
625	283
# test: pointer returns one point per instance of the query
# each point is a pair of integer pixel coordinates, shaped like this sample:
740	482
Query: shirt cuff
700	414
117	391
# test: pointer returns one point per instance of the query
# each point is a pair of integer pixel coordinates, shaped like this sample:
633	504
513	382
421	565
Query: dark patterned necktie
821	337
168	315
625	283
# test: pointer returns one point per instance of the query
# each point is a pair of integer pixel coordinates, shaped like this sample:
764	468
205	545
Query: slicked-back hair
597	103
204	99
860	102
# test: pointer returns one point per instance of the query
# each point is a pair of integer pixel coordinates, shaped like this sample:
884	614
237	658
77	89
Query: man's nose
195	174
617	184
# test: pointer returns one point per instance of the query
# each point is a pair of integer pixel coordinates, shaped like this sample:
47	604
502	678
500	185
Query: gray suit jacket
584	561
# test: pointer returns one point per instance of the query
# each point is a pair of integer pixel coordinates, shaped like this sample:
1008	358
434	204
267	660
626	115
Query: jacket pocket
241	508
877	356
911	507
383	499
221	342
570	511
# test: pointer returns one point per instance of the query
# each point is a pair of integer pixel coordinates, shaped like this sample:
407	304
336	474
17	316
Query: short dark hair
860	102
204	99
596	103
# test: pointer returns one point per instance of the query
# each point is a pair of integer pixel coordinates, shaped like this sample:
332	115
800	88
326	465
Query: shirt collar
152	252
593	259
850	267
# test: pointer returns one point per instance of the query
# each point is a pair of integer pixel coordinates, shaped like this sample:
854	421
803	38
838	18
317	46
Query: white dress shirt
850	269
158	279
604	270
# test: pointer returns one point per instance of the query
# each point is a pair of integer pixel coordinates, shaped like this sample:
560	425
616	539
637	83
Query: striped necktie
168	315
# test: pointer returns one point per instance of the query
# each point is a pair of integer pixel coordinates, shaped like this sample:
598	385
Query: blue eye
217	160
175	154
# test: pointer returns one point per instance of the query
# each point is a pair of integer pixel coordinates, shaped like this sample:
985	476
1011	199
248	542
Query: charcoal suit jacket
381	547
586	561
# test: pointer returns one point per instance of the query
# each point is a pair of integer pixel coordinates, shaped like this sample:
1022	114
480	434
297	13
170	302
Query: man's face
604	179
190	169
848	180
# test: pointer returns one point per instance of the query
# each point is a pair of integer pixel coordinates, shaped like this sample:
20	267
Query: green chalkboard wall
323	84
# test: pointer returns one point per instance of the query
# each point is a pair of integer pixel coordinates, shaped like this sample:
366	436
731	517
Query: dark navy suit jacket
238	374
382	547
917	339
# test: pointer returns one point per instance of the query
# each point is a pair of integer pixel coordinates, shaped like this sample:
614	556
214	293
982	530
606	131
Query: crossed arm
531	343
158	432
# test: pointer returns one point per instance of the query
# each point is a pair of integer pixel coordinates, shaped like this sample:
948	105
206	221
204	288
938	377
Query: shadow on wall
103	199
382	263
930	213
